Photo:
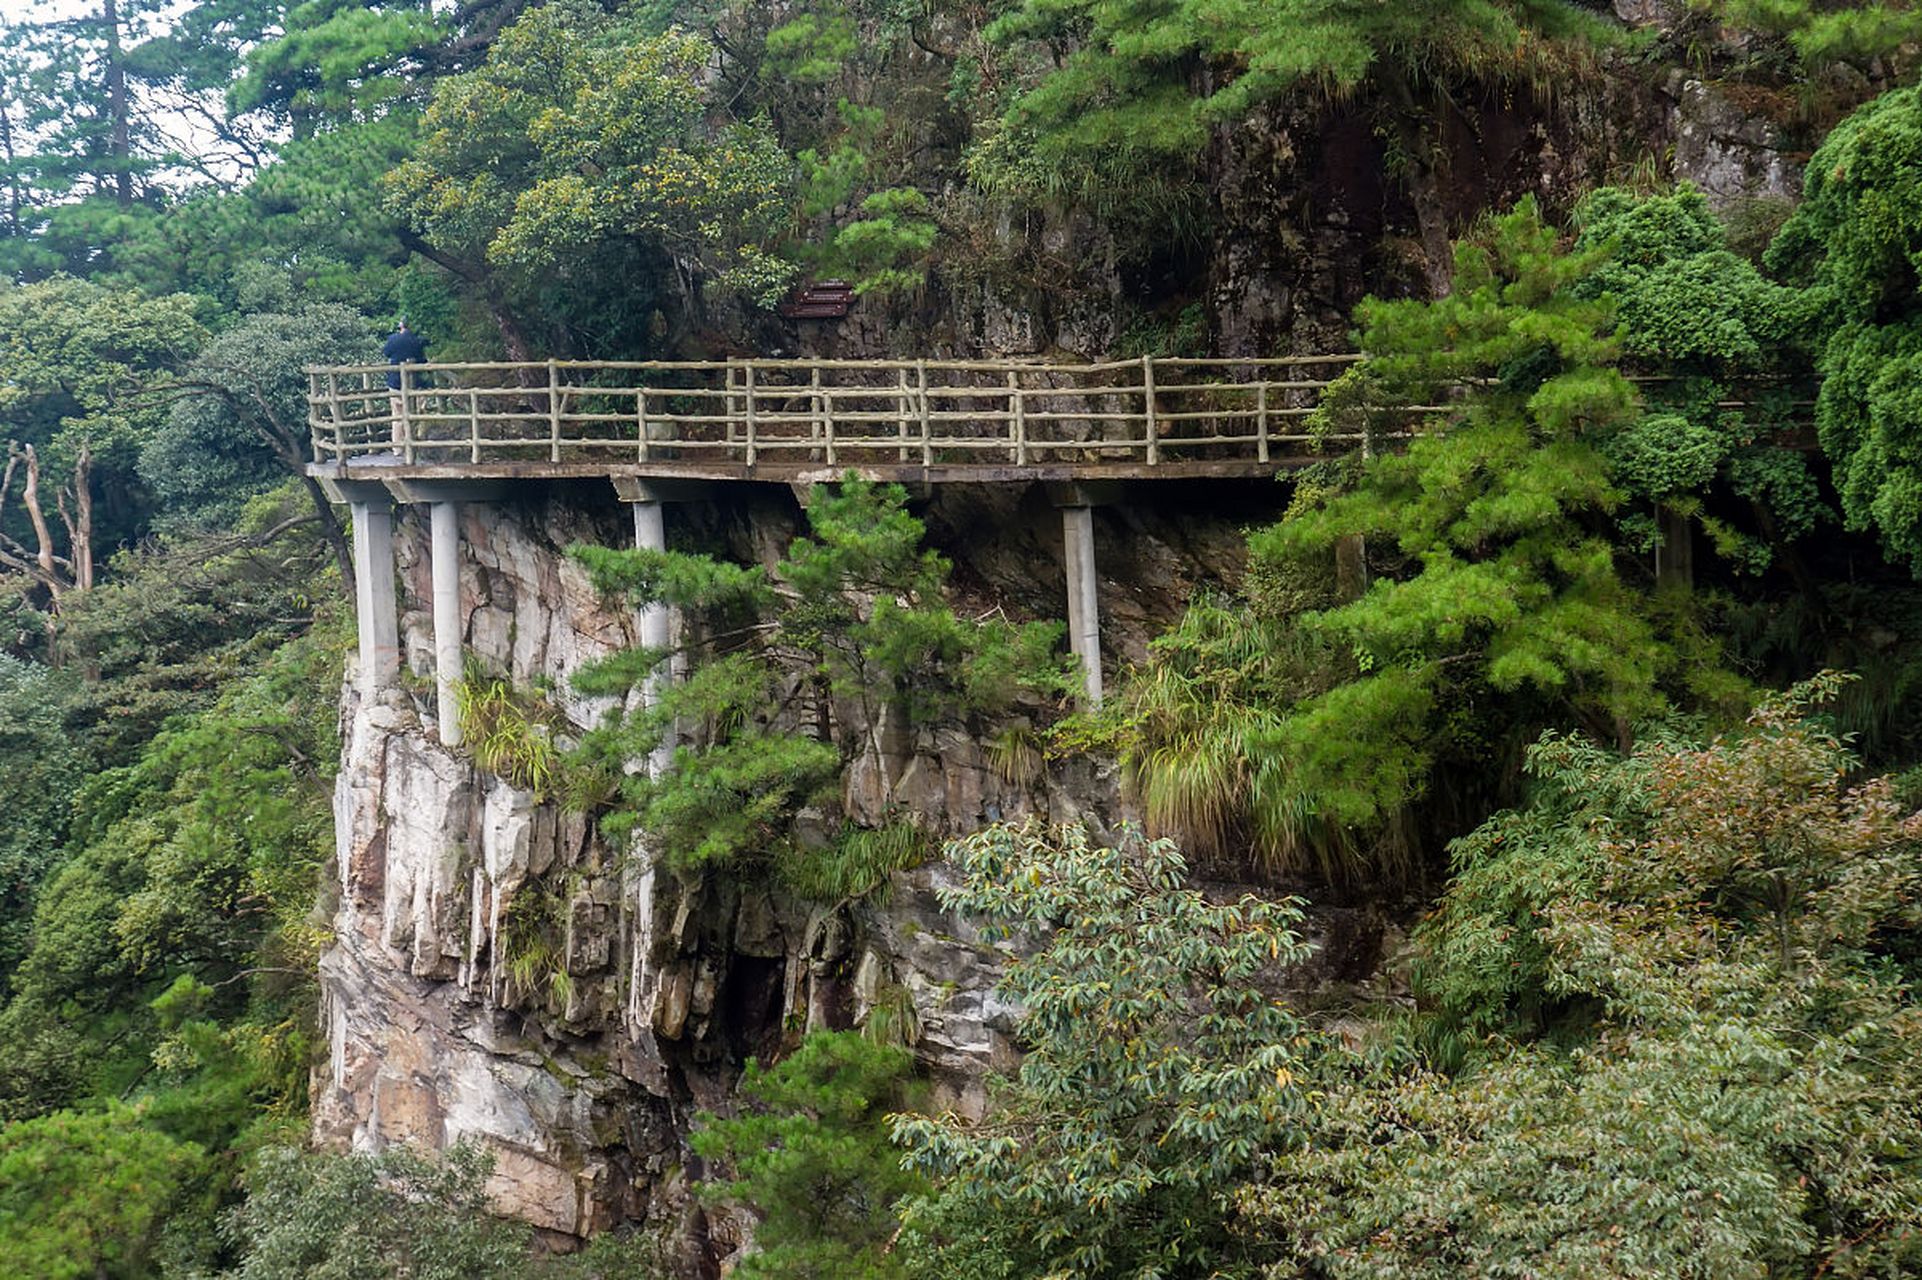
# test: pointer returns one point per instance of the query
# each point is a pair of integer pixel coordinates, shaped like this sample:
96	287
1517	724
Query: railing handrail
750	409
850	365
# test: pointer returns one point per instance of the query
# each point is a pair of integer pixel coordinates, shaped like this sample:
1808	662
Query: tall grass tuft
1198	732
532	944
510	735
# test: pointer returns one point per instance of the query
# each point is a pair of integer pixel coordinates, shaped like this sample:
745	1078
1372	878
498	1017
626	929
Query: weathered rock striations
582	1074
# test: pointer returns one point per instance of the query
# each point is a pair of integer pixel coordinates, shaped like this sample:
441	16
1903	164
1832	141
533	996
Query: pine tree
1148	78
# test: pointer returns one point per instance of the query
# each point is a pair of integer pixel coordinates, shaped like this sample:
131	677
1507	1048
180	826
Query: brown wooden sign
823	300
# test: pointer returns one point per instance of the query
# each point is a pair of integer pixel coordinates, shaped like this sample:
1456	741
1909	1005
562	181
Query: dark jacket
403	346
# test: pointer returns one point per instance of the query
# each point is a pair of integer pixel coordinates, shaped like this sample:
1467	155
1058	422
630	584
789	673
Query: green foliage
1115	96
580	156
853	623
857	864
533	944
1697	968
1195	732
41	765
1482	967
812	48
1860	226
1680	294
1512	587
887	248
84	1195
183	614
200	857
1707	326
333	63
1159	1075
239	426
375	1217
75	359
511	735
733	796
810	1154
1823	31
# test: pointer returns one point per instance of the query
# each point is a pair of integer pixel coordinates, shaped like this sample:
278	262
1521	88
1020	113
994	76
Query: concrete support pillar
657	624
444	526
650	534
1084	618
376	617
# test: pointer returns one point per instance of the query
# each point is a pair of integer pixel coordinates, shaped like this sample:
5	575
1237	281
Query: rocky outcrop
1733	155
500	974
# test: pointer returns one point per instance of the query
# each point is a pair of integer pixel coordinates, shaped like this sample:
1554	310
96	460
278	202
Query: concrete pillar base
444	528
657	622
1084	616
376	616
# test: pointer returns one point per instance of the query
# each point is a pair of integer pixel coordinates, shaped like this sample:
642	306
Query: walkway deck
803	420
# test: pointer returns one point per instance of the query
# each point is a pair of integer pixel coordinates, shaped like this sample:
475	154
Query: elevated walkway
663	430
789	420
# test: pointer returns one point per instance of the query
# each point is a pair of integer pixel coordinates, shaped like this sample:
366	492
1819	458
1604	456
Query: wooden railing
1146	412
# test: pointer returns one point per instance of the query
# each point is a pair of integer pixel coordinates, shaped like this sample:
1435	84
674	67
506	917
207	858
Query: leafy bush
85	1195
1684	983
1158	1078
375	1216
1859	228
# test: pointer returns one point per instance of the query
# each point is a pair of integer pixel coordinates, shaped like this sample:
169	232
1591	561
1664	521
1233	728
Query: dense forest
1604	686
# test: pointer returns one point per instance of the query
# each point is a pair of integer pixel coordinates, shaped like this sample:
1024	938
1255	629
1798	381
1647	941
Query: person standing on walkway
403	346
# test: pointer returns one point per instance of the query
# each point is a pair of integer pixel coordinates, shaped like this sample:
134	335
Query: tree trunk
330	530
80	521
121	145
513	334
1415	129
1351	568
1675	555
42	535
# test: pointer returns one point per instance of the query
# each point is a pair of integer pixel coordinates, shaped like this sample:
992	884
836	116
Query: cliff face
1306	211
583	1072
585	1086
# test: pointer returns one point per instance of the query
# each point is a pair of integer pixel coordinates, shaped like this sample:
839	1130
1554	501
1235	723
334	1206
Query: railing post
927	423
1148	401
827	421
333	413
814	406
553	411
747	375
728	410
640	418
313	412
1018	401
473	420
406	418
901	410
1261	421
